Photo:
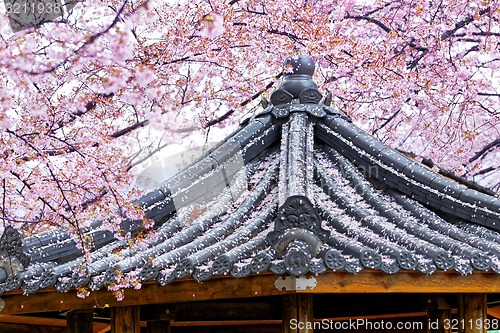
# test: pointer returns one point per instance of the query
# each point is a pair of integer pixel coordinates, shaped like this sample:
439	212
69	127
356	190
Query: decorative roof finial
297	83
300	65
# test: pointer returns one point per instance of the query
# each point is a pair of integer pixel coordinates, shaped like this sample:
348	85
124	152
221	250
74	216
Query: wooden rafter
41	321
29	320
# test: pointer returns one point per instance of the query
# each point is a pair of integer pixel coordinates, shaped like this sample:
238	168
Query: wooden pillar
460	312
472	313
159	326
80	321
297	313
125	319
439	317
440	321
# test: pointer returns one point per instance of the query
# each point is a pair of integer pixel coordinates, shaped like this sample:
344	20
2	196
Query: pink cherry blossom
212	25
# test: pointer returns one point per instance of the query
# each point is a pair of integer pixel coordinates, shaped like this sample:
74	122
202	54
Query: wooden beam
104	329
20	328
80	321
158	326
30	320
255	286
214	323
297	313
406	282
125	319
101	328
41	321
494	312
152	293
260	308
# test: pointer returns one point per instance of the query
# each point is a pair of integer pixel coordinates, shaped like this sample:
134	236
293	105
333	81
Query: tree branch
388	120
245	102
469	19
130	128
484	150
89	41
488	94
484	171
371	20
293	37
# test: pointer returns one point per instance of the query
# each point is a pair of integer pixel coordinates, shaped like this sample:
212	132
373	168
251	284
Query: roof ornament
12	252
298	235
298	92
297	83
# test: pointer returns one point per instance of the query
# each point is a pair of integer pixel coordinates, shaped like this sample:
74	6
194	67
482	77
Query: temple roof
297	189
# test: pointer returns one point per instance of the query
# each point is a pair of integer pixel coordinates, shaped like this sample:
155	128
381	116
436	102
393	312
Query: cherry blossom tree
86	97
